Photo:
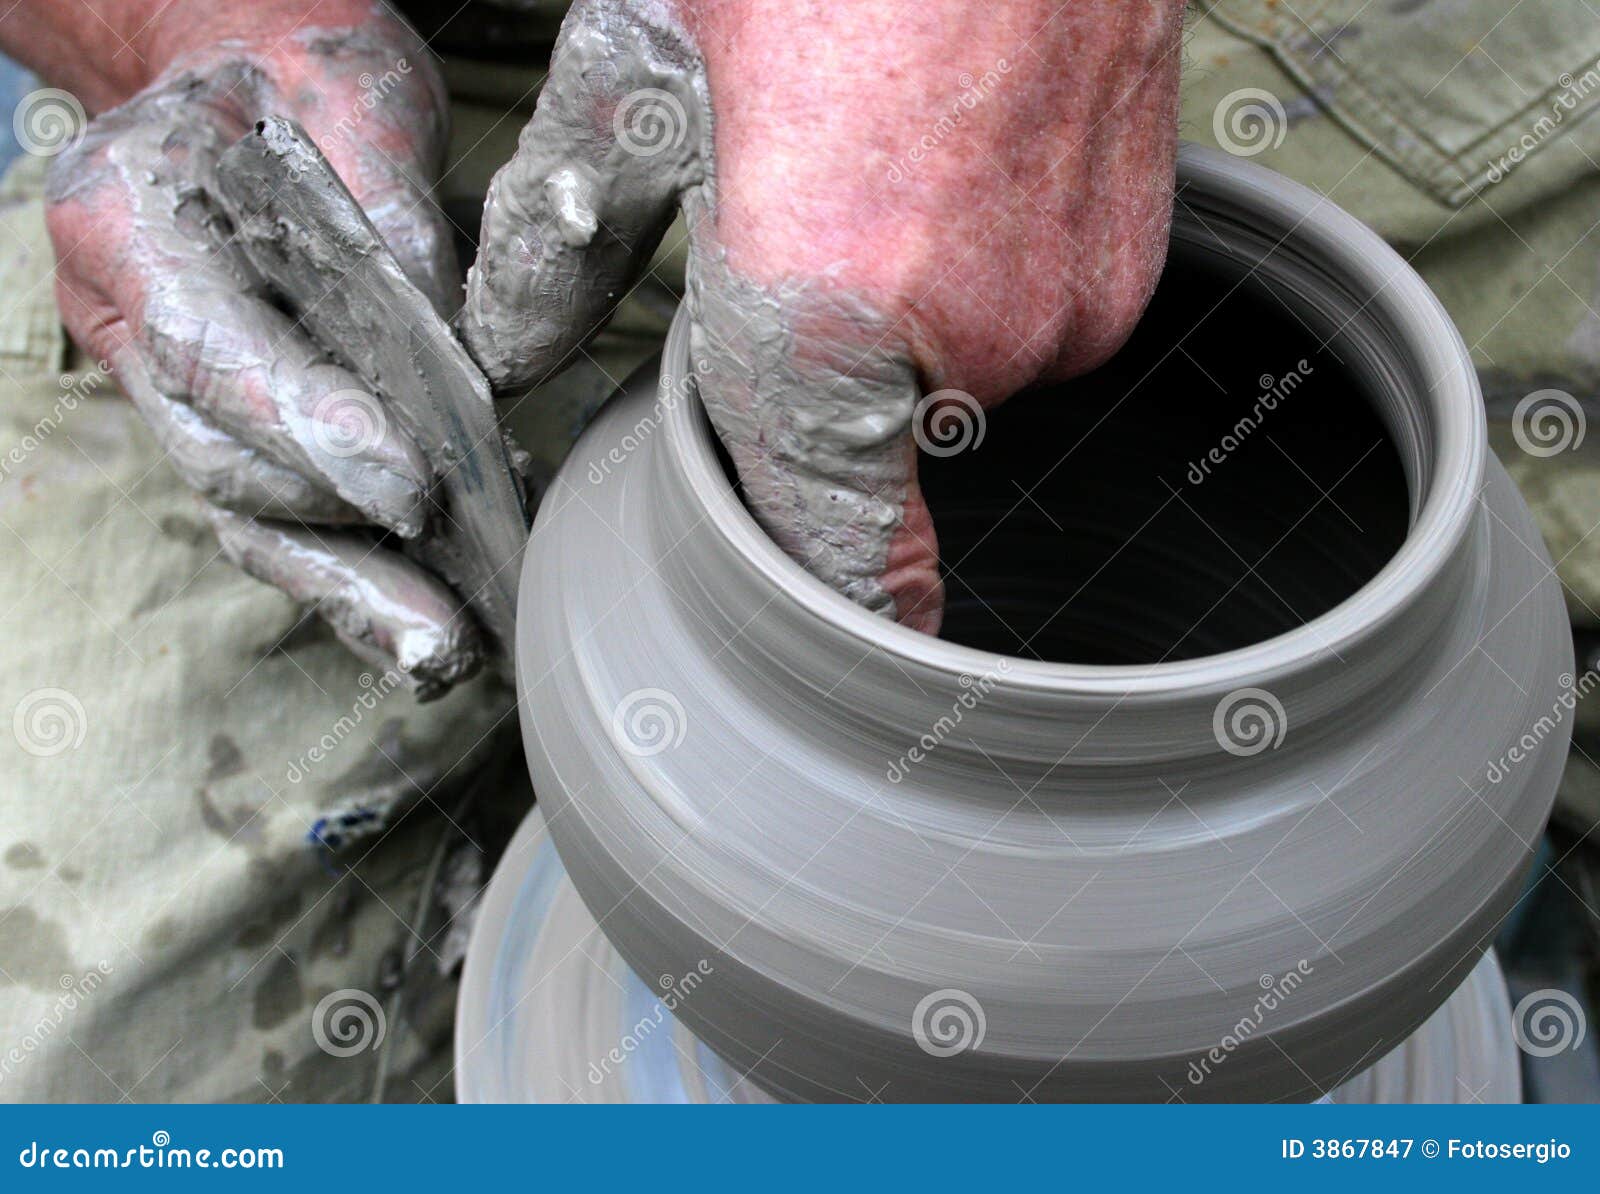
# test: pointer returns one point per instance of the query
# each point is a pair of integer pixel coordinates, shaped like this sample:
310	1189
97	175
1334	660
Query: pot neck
851	677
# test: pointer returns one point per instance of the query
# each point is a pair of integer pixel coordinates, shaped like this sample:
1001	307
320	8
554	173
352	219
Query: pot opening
1219	482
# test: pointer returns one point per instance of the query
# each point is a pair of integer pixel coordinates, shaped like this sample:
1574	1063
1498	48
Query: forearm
104	51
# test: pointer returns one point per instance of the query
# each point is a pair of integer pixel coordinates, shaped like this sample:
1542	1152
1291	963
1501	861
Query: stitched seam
1450	175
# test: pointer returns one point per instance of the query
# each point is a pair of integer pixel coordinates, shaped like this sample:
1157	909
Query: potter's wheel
549	1012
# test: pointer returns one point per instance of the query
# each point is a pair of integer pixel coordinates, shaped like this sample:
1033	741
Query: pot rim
1455	460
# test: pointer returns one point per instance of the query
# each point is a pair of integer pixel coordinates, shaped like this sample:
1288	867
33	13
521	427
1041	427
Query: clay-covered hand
901	212
282	442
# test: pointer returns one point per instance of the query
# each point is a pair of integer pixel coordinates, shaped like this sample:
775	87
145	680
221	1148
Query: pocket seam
1445	175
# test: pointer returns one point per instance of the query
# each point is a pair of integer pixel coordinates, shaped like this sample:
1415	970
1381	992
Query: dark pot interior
1094	525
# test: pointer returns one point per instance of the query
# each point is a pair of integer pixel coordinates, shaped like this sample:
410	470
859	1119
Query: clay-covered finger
384	607
390	154
620	131
816	402
220	468
238	361
160	272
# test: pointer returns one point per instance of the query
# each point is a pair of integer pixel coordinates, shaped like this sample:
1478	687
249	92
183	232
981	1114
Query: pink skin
144	281
1022	246
395	156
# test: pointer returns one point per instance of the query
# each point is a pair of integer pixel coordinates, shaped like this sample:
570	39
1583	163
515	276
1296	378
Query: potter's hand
281	442
895	198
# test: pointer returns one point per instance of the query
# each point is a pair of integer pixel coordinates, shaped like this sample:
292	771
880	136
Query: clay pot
1261	847
550	1013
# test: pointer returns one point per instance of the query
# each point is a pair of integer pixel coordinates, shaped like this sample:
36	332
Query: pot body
939	874
550	1013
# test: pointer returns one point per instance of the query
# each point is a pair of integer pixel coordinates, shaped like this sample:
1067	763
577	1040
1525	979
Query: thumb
619	132
816	402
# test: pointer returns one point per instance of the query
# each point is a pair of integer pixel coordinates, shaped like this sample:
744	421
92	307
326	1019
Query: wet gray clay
307	236
550	1013
944	872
